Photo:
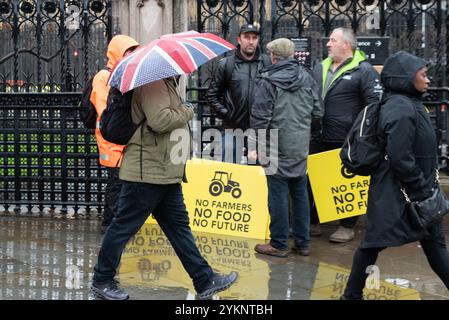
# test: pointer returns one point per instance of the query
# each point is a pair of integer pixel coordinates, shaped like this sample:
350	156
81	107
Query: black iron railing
418	26
52	45
48	160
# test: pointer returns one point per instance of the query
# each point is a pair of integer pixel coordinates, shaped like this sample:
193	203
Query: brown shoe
268	249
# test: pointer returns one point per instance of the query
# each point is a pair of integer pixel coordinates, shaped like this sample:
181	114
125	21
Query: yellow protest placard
226	198
338	194
331	281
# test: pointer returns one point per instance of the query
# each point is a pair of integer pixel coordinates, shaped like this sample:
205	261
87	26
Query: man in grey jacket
286	102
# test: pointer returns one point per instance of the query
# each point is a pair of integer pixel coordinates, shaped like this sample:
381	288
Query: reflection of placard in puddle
149	259
331	281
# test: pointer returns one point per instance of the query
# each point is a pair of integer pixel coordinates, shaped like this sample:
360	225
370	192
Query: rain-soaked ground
53	259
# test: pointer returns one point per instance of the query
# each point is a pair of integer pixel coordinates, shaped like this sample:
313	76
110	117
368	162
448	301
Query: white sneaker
342	235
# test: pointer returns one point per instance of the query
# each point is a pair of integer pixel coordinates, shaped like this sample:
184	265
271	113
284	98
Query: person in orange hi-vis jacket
110	153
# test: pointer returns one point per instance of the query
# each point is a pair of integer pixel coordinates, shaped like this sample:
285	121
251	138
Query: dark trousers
434	247
278	192
317	147
230	150
166	202
113	187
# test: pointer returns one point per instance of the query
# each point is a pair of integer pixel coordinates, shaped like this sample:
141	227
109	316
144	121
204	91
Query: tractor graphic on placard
222	182
346	173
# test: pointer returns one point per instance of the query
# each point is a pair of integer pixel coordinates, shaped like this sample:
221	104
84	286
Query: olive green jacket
147	156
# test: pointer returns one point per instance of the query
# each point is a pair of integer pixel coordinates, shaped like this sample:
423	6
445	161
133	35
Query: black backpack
116	124
363	149
87	111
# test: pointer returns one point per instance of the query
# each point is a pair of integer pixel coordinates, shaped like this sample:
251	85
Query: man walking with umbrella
152	183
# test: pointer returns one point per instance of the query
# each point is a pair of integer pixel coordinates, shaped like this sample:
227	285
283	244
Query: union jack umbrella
168	56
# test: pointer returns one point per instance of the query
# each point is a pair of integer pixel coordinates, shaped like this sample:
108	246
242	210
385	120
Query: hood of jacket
117	47
399	72
285	74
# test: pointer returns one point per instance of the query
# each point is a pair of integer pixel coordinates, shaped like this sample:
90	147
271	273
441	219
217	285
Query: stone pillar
180	15
146	20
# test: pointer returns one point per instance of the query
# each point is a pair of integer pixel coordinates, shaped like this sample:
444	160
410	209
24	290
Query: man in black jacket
348	83
231	91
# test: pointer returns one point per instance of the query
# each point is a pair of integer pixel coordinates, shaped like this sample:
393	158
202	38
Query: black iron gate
418	26
50	48
52	45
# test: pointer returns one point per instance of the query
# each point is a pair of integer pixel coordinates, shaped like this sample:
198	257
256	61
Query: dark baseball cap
249	28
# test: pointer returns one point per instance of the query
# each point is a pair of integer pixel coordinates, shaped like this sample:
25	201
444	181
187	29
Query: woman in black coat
411	147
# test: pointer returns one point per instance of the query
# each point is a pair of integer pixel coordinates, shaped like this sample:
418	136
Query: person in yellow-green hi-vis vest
348	83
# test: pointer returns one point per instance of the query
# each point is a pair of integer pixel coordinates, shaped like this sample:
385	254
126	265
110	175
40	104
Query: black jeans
434	247
166	202
113	187
317	147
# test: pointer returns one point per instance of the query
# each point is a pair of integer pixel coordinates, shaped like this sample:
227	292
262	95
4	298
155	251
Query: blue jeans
278	191
166	202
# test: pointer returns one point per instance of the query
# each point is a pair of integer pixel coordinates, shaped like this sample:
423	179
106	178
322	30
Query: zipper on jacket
141	152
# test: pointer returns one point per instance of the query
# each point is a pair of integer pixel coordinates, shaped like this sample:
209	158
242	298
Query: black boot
109	290
216	284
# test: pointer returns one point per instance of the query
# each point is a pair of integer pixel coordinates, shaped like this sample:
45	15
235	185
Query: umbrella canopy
168	56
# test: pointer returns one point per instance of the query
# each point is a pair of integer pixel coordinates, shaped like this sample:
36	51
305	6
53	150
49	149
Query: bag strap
229	68
437	180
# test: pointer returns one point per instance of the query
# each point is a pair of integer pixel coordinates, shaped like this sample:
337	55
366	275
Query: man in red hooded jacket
110	153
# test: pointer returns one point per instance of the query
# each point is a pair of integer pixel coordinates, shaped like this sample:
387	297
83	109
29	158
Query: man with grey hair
286	101
348	83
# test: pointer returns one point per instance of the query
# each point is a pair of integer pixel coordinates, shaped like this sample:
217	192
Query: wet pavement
52	259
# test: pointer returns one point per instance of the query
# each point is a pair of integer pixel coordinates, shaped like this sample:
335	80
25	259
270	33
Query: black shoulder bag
423	214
